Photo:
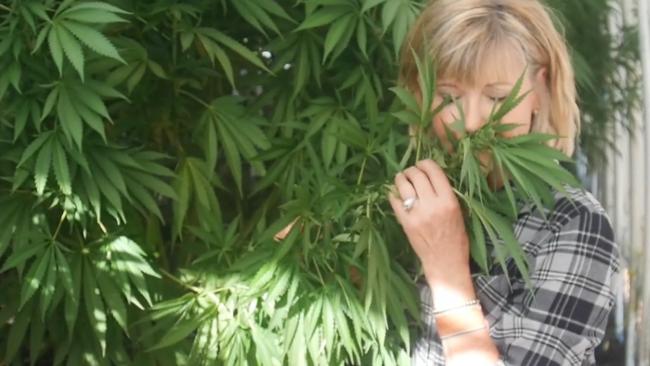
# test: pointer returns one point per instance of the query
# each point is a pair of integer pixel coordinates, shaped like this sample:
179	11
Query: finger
420	182
397	206
436	176
280	235
404	187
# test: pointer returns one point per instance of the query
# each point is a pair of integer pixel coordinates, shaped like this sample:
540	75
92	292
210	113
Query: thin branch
58	228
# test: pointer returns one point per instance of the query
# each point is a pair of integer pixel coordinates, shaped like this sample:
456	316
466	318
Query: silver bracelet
461	306
500	363
462	332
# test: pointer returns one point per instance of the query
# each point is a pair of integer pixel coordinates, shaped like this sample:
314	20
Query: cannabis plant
151	150
528	168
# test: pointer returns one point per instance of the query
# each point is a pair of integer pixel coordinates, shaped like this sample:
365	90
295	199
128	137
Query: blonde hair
459	34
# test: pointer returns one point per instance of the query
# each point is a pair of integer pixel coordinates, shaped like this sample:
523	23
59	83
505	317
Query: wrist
460	321
451	286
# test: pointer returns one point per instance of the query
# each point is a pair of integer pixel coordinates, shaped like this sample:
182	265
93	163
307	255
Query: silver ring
408	203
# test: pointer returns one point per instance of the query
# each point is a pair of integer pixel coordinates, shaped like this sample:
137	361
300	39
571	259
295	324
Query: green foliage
487	211
606	58
150	150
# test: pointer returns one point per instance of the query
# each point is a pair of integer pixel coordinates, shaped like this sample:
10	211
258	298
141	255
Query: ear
540	76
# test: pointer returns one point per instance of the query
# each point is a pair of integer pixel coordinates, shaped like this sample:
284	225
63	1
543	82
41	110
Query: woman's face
497	78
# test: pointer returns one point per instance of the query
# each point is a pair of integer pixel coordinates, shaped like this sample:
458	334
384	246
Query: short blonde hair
458	34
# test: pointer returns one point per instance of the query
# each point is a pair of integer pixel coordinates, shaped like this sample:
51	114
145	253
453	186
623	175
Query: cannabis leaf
529	168
76	25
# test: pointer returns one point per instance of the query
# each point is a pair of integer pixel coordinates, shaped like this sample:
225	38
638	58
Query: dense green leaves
212	41
178	138
75	25
526	160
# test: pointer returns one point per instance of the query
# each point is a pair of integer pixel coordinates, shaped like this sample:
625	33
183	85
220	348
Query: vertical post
643	137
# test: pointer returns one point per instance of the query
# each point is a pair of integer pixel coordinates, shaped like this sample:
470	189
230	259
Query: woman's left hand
434	225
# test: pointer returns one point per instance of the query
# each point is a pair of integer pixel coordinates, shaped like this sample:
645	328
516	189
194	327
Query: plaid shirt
574	261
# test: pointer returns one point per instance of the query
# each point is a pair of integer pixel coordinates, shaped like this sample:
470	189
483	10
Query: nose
474	116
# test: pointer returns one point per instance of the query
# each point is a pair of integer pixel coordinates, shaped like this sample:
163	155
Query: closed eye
448	96
497	99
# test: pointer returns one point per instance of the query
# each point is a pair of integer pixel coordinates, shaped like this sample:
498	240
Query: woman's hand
436	230
434	225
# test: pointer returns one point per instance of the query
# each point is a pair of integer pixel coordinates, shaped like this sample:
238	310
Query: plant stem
363	168
195	98
179	282
58	228
102	227
419	146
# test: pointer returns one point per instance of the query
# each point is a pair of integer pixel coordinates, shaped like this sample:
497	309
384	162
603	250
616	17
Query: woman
481	47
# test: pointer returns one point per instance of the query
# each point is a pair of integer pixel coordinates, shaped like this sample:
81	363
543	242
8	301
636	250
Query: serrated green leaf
336	32
61	169
144	197
92	192
234	46
94	306
224	61
71	306
369	4
325	15
182	185
69	119
42	167
181	330
108	190
233	157
406	98
71	48
112	172
157	70
95	5
90	118
56	50
93	39
91	16
36	335
88	97
33	147
17	333
49	283
34	277
478	248
22	254
113	299
154	184
64	272
20	120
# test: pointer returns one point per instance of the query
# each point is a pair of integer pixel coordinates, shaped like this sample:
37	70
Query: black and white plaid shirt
574	262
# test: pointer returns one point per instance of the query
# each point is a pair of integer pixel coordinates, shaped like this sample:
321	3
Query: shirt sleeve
564	317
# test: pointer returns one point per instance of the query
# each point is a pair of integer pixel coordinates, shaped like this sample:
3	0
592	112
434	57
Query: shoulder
576	204
571	207
579	225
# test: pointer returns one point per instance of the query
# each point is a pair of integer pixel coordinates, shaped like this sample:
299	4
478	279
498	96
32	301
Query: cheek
445	117
520	116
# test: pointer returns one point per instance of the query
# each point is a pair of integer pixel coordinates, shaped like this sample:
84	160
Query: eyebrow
503	83
455	85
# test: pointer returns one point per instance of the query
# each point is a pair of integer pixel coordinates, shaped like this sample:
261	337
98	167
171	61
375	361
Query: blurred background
622	185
